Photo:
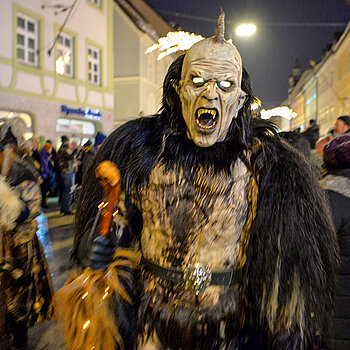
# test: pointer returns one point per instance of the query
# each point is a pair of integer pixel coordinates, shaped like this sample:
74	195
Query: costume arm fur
292	254
125	147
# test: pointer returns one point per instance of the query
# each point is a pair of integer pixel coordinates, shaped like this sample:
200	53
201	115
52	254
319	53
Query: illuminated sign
87	112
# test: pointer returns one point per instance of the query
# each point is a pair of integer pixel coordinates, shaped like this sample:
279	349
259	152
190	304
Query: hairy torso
194	219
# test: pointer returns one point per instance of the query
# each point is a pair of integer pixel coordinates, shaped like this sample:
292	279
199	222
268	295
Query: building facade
296	101
56	67
138	77
327	95
324	92
79	67
341	73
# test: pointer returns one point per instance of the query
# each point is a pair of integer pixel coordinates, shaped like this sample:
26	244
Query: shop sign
87	112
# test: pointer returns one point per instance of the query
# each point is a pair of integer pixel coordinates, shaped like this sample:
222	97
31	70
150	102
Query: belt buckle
197	278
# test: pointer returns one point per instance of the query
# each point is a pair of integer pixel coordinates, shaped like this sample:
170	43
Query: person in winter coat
337	184
312	133
26	287
66	160
46	172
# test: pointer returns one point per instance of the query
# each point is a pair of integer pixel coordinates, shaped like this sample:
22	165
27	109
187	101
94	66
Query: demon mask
210	88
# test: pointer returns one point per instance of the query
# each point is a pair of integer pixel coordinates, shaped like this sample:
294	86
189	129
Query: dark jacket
66	159
337	184
312	133
89	154
46	165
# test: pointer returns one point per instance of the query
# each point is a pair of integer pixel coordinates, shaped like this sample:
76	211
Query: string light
282	111
86	324
174	42
85	295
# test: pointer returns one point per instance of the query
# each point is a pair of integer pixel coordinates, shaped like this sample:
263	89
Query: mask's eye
225	85
198	81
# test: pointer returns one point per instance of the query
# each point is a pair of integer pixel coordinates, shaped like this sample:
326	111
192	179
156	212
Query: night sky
284	33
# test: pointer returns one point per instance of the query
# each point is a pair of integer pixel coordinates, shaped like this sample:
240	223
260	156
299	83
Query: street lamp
246	29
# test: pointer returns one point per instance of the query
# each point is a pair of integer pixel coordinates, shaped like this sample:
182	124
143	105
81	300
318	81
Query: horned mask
210	88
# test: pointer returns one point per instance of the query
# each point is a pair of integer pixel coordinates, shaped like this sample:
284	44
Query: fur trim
339	184
10	205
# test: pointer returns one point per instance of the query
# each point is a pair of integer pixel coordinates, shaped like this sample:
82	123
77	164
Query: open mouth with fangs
206	119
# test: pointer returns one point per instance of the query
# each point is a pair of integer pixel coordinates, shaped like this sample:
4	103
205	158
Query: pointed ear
242	98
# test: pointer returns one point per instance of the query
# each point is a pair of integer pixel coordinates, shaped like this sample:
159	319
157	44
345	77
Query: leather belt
195	278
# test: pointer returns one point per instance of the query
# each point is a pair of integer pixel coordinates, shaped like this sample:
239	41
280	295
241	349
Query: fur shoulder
292	229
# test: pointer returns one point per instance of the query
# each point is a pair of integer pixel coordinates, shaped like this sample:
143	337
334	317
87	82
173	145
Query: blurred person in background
99	138
341	126
56	183
84	158
336	182
66	161
312	133
31	148
25	280
46	167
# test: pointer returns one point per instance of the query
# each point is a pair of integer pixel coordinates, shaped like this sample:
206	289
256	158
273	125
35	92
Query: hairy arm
292	254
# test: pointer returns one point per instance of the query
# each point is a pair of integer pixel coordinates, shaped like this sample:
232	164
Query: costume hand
101	253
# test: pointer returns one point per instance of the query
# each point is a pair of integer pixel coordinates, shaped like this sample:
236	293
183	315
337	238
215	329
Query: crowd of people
60	171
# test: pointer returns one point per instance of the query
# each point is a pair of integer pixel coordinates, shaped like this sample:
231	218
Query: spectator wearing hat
336	182
66	160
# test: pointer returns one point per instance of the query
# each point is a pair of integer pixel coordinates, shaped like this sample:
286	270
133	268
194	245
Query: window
94	66
65	52
96	2
27	39
75	126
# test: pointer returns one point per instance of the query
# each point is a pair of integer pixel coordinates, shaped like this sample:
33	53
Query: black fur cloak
290	254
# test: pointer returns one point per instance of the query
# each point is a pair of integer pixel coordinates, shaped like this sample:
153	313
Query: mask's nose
210	93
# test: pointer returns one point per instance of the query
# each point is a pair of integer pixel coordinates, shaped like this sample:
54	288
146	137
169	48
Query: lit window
94	66
65	52
74	126
27	39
